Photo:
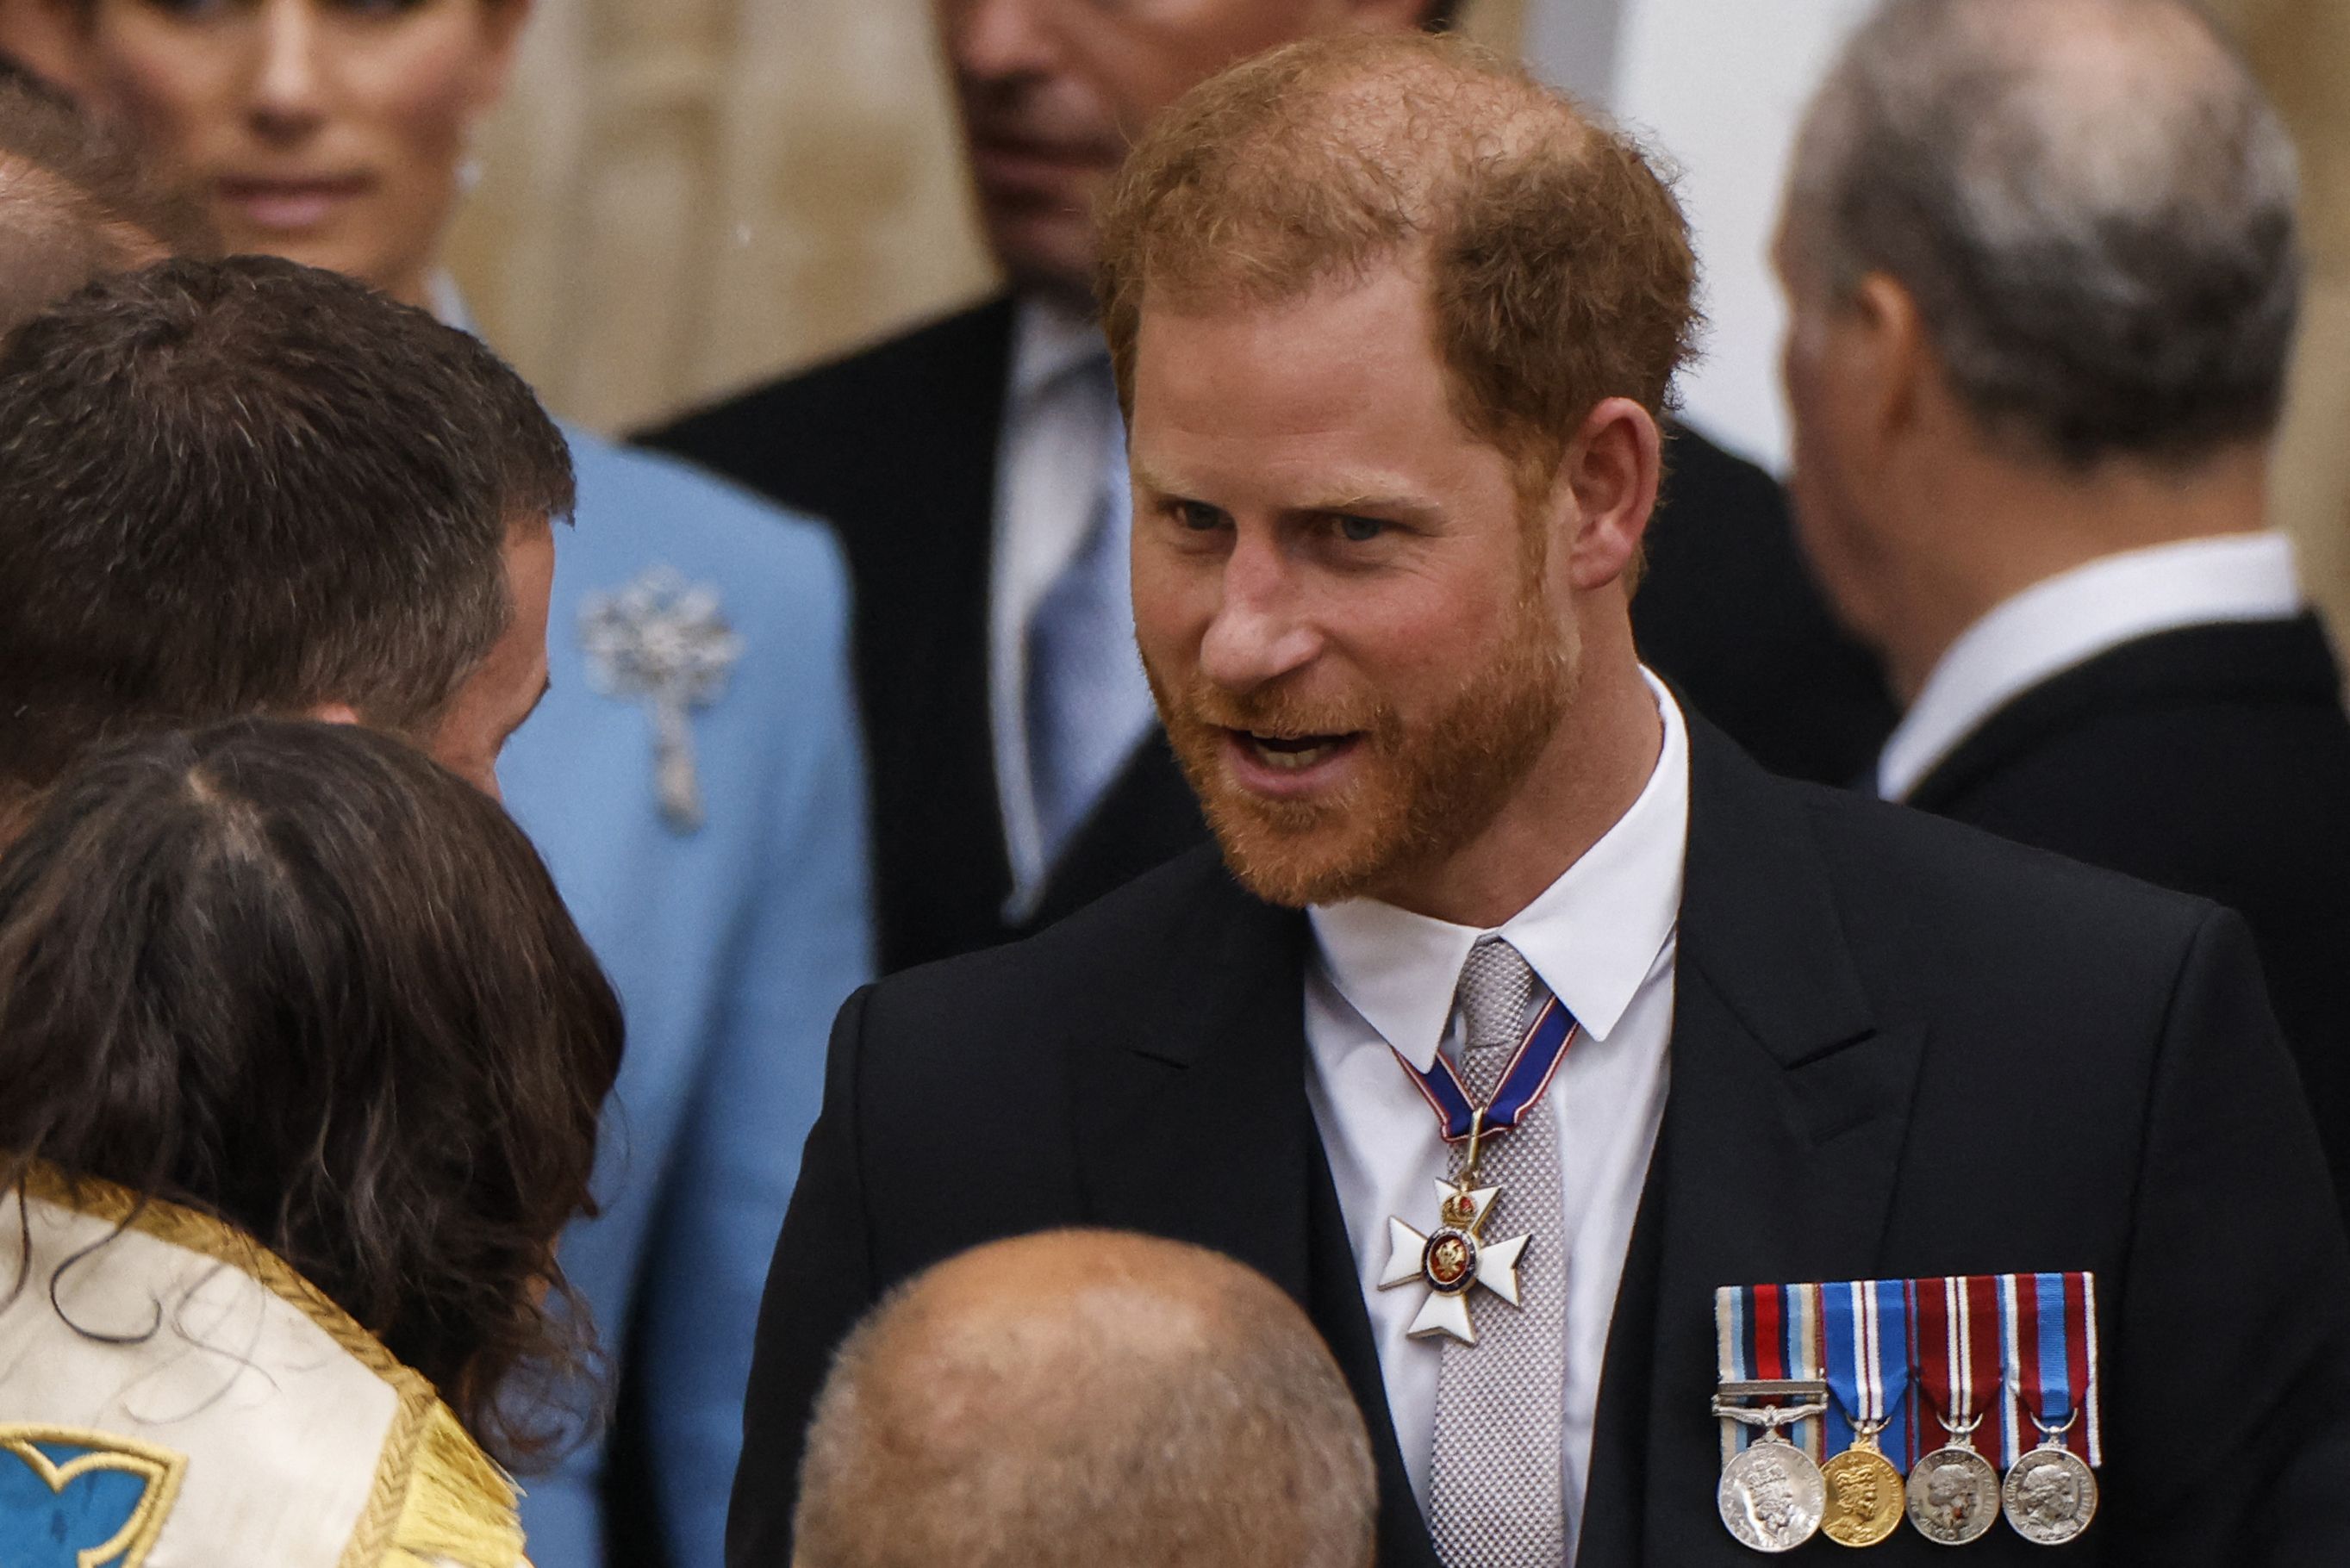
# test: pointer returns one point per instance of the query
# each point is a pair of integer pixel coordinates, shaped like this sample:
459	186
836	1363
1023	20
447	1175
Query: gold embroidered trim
445	1491
127	1547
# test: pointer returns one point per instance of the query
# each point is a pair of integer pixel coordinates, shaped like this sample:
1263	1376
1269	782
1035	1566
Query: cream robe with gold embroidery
270	1426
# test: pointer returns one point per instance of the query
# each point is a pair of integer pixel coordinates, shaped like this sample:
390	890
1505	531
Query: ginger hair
1558	263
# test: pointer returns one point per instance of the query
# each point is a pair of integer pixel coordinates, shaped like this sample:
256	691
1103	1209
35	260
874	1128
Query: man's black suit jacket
1899	1048
2214	760
896	446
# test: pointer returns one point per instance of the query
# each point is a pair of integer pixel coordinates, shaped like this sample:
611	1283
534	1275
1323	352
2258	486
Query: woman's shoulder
172	1381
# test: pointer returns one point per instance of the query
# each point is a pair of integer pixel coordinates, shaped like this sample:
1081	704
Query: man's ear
332	713
1881	355
1613	468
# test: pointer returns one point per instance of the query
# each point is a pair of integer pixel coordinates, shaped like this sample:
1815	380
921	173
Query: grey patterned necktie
1495	1497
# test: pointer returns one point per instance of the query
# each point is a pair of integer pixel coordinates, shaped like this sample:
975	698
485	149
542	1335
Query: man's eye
1360	530
1198	516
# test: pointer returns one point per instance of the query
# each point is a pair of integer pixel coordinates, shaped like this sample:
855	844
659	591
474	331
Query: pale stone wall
685	195
2301	48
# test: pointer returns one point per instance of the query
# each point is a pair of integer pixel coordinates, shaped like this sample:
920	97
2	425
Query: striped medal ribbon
1953	1491
1829	1393
2048	1328
1772	1400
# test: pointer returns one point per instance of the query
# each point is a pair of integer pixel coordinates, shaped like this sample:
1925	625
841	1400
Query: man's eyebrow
1349	499
1352	502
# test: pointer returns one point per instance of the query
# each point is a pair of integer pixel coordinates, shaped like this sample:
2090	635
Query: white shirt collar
2072	618
1592	936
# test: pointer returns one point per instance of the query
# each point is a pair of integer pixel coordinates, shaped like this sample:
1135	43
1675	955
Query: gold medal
1864	1495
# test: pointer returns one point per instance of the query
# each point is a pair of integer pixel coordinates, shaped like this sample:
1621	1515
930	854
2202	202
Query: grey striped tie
1494	1495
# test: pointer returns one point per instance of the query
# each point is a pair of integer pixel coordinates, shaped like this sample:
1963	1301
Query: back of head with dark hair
75	204
299	977
248	486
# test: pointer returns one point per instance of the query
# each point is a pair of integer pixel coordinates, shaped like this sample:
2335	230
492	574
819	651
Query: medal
1953	1495
1772	1496
1451	1260
1864	1495
1455	1258
2048	1325
1865	1328
2051	1495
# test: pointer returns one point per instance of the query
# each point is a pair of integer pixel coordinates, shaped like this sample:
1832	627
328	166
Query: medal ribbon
1956	1328
1523	1084
2048	1332
1864	1326
1769	1334
2003	1346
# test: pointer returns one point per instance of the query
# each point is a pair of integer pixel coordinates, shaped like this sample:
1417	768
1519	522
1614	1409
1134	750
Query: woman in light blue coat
693	774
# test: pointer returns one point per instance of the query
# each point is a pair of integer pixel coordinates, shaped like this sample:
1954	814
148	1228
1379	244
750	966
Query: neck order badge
1454	1259
1873	1361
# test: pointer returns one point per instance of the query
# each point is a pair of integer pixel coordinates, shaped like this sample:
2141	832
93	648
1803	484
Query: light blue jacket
732	946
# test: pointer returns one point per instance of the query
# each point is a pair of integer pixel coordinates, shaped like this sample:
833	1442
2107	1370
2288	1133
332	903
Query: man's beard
1418	794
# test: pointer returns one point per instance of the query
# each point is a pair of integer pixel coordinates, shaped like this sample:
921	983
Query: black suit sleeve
2236	1381
820	1283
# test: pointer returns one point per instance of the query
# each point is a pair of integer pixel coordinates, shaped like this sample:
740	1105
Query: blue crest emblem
82	1500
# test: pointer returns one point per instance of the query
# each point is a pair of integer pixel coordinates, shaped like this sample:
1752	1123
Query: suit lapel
1201	1131
1781	1136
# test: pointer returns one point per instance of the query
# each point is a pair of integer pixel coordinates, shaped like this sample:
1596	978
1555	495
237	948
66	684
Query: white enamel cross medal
1452	1259
1455	1259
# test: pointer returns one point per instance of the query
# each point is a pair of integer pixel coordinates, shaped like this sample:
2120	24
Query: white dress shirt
2074	617
1063	445
1602	939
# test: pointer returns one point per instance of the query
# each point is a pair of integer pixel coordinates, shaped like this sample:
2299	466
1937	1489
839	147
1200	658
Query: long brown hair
299	977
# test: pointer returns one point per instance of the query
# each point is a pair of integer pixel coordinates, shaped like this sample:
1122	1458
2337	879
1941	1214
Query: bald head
74	205
2091	202
1082	1398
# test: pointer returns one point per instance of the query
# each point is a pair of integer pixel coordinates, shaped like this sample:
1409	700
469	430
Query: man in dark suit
1389	476
2034	403
975	471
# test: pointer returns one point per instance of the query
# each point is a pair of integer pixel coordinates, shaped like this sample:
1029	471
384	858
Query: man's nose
288	98
999	40
1259	631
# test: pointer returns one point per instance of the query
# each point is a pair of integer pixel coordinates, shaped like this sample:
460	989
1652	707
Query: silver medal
1772	1497
1953	1495
2050	1495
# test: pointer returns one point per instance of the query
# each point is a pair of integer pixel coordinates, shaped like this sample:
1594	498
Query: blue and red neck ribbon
1523	1081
